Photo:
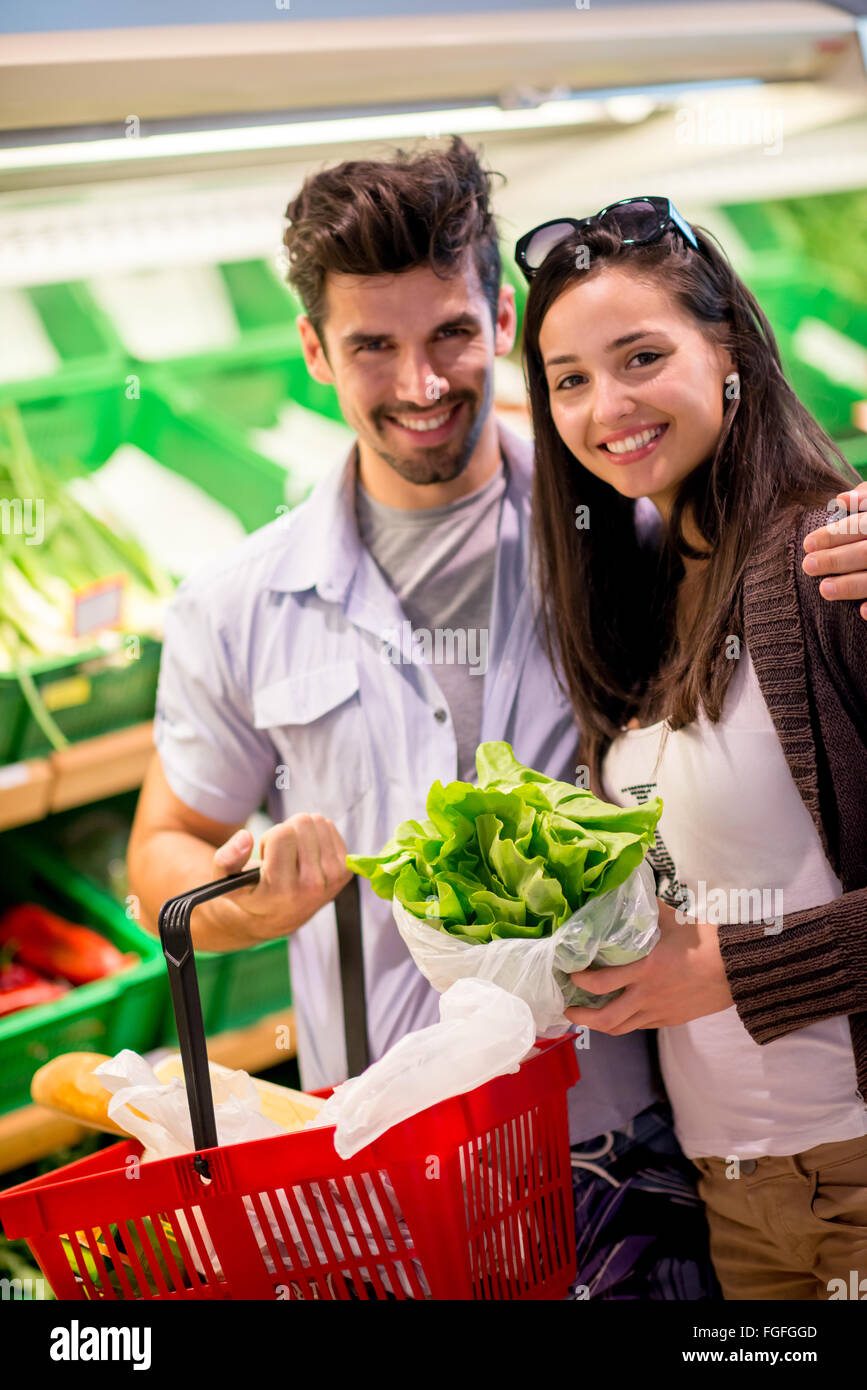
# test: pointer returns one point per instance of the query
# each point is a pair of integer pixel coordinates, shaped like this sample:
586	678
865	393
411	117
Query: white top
736	836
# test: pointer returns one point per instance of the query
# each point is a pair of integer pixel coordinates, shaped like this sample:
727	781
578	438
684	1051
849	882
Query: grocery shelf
31	1133
83	772
35	1131
25	792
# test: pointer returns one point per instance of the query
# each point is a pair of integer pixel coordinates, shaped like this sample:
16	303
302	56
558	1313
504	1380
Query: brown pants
784	1228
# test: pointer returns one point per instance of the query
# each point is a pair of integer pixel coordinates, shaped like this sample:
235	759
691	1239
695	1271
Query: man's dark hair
371	217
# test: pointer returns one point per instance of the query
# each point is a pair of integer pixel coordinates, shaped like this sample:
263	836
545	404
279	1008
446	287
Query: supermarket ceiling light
465	120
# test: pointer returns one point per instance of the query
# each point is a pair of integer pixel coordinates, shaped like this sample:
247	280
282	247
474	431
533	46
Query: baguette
67	1084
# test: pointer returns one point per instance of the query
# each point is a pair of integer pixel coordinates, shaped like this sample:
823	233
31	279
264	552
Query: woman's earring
733	386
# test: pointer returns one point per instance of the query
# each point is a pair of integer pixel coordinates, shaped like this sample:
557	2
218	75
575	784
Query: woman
708	671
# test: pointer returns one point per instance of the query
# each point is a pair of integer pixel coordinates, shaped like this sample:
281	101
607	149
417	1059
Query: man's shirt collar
323	545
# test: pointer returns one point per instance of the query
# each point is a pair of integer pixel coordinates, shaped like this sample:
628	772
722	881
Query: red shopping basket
469	1199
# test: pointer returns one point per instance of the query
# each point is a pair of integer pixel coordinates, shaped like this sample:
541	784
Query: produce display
59	548
22	988
42	955
514	856
48	942
71	584
521	880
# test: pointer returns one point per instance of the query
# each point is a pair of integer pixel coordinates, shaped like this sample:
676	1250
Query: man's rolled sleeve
213	757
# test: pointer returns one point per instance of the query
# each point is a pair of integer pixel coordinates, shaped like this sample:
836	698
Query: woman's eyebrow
612	347
630	338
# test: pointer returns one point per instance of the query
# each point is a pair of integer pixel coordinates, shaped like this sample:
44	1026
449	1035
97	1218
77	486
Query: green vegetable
514	856
147	1254
67	549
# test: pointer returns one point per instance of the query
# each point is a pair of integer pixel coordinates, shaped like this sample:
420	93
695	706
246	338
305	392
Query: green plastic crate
90	696
794	292
206	453
123	1010
261	299
89	349
265	309
87	695
12	706
81	429
246	396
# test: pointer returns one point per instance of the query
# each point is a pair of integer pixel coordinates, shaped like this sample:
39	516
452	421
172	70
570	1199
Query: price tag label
14	775
98	605
66	694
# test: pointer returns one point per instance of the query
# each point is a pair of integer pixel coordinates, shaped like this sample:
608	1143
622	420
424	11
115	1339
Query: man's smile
434	425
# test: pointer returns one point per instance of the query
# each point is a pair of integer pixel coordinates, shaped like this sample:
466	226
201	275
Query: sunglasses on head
637	221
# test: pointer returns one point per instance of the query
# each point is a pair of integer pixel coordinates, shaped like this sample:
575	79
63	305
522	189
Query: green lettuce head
514	856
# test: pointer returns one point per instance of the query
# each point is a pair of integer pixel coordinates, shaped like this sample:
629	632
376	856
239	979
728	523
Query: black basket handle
177	944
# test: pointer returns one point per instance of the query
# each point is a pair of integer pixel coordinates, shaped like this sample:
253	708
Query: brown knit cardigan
810	657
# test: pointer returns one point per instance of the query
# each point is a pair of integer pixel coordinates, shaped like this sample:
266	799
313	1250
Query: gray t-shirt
440	564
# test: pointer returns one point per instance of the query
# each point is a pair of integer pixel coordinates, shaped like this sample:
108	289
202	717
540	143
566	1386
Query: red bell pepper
21	988
48	943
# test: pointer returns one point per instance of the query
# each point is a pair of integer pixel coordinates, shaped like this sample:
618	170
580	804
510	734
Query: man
288	674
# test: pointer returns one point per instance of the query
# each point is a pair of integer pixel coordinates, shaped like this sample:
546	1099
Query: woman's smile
628	446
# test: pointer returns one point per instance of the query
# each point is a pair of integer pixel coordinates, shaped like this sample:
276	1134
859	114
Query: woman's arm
814	965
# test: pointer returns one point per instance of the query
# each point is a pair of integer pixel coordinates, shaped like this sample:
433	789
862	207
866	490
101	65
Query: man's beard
446	461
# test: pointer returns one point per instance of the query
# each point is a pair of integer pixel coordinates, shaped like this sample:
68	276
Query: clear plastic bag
483	1032
157	1113
611	929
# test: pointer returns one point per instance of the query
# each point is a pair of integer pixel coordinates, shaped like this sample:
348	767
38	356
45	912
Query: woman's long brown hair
609	597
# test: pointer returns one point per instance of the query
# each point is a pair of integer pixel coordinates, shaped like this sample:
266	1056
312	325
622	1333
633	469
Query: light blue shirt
274	686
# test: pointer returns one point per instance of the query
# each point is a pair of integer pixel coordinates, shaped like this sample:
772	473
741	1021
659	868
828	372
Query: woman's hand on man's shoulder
837	551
